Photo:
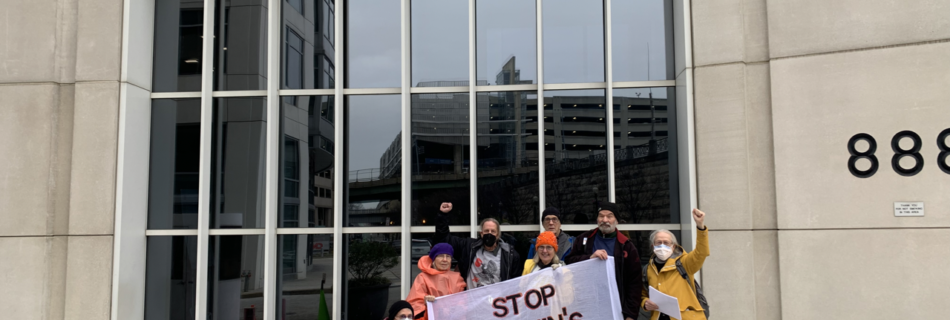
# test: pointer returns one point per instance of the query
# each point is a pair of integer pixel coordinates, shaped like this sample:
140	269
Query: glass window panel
296	4
304	276
236	273
506	42
173	164
575	138
307	163
439	43
177	49
371	262
237	171
373	58
573	41
440	156
508	156
373	159
643	40
240	43
171	269
306	59
645	158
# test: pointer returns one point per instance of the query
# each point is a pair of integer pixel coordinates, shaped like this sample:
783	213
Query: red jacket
432	282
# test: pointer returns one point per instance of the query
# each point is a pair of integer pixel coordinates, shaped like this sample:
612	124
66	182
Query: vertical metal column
472	122
338	143
272	174
609	73
542	203
406	98
204	161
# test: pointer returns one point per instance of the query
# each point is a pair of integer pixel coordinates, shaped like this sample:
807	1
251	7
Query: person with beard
662	272
605	241
482	261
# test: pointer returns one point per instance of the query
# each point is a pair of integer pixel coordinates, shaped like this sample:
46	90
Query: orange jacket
432	282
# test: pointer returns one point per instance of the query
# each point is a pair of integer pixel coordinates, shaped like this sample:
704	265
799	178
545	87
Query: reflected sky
573	41
373	44
642	39
506	30
439	41
374	122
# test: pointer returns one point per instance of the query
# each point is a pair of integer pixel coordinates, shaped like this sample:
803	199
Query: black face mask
489	239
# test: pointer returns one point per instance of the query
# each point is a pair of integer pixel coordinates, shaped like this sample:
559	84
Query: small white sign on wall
909	209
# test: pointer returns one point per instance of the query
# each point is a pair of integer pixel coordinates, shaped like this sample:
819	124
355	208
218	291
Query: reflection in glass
237	171
240	43
644	153
506	42
440	156
170	277
372	155
307	53
439	43
236	273
173	166
573	41
508	156
643	40
373	58
177	56
307	162
304	276
575	139
371	262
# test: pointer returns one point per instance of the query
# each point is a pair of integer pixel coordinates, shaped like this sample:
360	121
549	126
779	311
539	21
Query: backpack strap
682	270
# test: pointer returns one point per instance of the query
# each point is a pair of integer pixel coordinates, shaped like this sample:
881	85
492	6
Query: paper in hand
668	305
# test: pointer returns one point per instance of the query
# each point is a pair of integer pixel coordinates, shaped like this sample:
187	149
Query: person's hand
446	207
650	306
600	254
555	266
700	218
430	298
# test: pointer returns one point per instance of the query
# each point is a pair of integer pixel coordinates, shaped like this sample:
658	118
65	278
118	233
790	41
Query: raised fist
446	207
700	218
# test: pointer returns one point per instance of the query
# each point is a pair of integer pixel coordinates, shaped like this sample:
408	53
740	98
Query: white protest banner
584	290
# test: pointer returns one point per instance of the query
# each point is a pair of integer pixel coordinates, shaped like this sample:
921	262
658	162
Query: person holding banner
436	279
482	261
663	274
546	246
605	241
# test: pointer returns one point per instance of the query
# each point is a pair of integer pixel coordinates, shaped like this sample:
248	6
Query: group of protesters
489	259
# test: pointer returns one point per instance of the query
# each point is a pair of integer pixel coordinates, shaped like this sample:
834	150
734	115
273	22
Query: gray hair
654	233
481	225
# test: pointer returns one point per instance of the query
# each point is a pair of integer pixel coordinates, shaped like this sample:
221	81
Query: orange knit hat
546	238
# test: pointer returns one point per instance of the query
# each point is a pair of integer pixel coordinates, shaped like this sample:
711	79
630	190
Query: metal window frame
686	143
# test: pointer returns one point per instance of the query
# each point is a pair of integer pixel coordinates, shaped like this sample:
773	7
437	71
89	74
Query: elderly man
551	220
482	261
605	241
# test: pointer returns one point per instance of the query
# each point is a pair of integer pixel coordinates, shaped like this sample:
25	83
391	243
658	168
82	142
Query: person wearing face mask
663	275
436	279
546	246
482	261
605	241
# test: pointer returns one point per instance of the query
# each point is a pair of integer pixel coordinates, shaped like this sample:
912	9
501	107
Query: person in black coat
482	261
605	241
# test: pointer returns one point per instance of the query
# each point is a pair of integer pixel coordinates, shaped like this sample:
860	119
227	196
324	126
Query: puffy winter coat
668	280
432	282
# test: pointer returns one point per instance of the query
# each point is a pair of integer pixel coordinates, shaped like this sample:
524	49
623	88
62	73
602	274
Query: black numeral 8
869	154
944	150
900	153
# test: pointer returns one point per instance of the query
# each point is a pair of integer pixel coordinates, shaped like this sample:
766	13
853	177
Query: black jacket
626	263
465	248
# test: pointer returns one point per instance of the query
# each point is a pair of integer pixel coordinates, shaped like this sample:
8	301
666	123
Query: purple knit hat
440	249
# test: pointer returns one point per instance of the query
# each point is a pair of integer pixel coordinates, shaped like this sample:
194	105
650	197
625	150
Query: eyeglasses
551	220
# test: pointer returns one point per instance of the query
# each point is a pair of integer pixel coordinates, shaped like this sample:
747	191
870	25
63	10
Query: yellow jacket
529	266
669	281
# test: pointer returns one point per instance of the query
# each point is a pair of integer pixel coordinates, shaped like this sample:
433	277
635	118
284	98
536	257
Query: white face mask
663	251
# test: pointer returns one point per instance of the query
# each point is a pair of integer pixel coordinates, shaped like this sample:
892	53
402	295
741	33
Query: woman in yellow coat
662	274
546	248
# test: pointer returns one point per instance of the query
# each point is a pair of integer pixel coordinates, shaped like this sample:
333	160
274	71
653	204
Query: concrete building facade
141	177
